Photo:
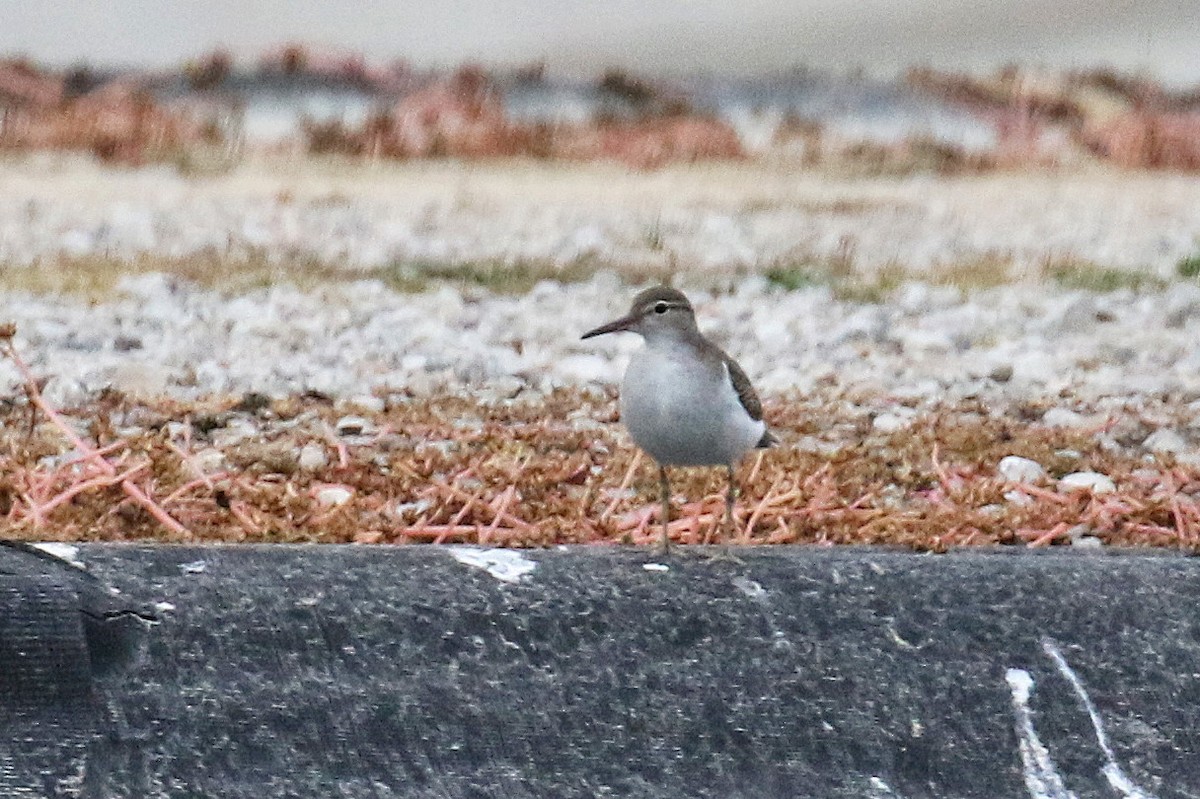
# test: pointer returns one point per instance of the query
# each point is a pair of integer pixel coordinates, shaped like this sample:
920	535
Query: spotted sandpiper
684	400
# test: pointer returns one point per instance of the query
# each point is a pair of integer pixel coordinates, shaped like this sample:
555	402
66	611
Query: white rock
890	422
772	330
869	323
1016	469
1165	440
926	341
913	393
208	461
1018	498
500	388
1001	372
1064	417
913	297
177	431
586	368
65	393
235	432
411	510
1035	367
77	242
363	403
414	362
1087	481
1075	315
332	496
353	426
312	457
146	287
140	379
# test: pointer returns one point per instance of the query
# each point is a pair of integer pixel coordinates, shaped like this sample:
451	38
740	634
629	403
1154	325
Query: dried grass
95	277
988	270
448	469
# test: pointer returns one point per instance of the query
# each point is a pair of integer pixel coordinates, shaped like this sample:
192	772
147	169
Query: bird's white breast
683	410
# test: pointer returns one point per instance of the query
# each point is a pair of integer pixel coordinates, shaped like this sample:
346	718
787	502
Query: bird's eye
660	307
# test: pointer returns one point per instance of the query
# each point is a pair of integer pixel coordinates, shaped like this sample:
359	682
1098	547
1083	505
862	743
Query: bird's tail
767	440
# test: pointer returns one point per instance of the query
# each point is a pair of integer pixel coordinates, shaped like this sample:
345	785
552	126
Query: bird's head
658	311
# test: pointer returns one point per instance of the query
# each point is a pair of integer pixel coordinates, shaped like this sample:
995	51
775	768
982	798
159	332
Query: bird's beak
624	323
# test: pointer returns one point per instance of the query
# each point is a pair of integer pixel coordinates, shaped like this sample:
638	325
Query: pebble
1076	315
1018	498
331	496
586	368
1016	469
499	389
208	461
353	426
411	510
139	379
1064	417
235	432
63	392
1086	481
363	403
1001	372
1039	368
890	422
1165	441
312	457
1084	537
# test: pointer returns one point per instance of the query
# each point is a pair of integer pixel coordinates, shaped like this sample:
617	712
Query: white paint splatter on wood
1042	779
1041	775
505	565
67	552
881	790
1112	771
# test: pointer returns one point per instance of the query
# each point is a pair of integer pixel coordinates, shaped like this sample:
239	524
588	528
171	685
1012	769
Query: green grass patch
1088	276
1189	267
850	283
875	285
497	276
95	277
794	277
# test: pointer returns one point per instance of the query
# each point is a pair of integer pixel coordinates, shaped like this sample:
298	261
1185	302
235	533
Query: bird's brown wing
748	398
745	391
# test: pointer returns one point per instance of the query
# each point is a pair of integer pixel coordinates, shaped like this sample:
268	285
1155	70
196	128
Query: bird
684	401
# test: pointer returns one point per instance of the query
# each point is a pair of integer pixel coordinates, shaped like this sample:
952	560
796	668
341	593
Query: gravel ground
709	217
291	410
1080	351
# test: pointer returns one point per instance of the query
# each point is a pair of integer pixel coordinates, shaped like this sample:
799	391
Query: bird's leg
725	551
665	487
729	499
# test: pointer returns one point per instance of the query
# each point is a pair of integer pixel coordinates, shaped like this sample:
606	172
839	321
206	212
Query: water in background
851	108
